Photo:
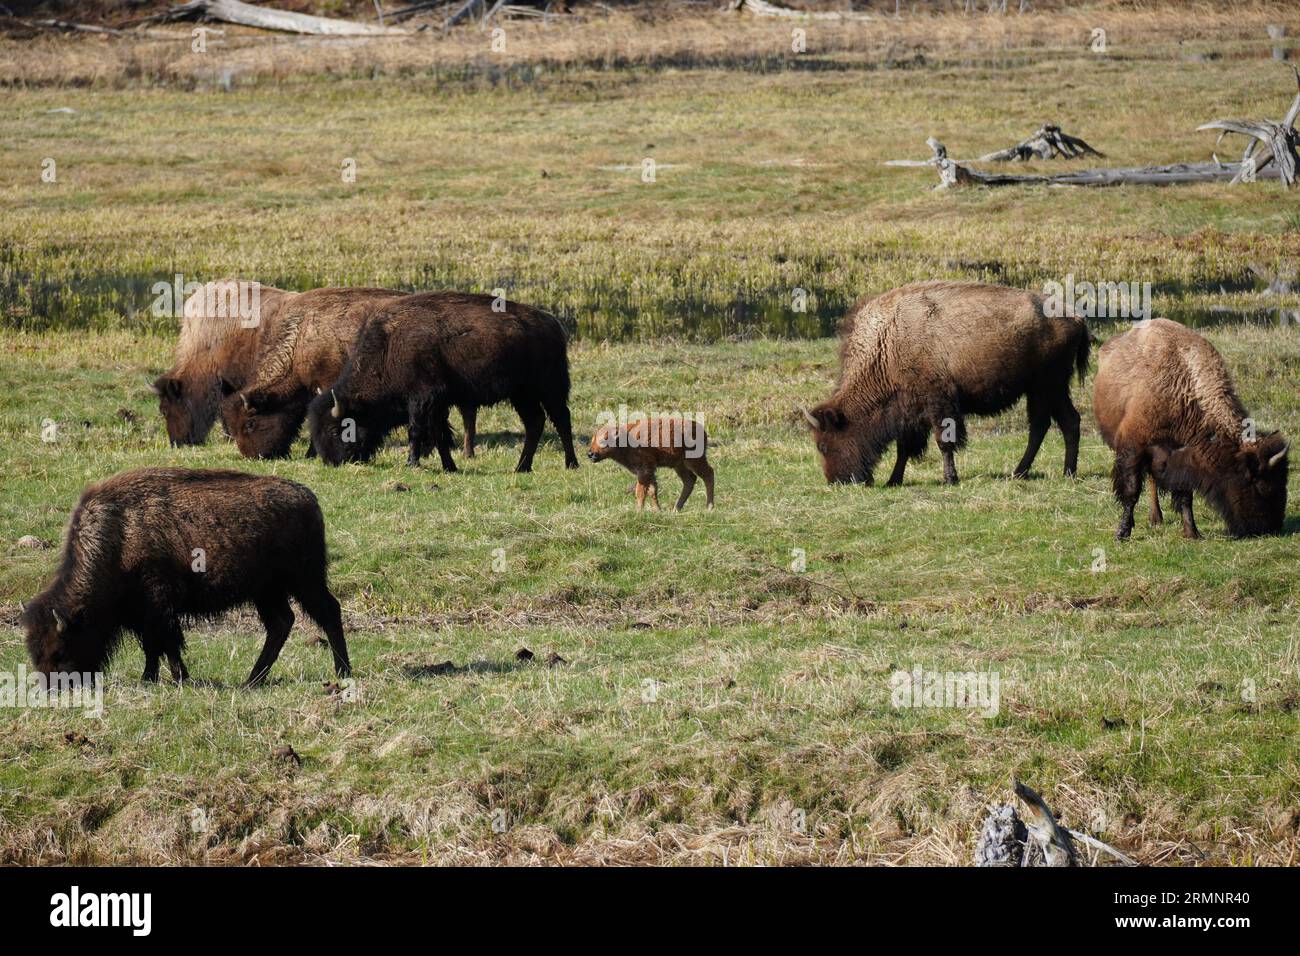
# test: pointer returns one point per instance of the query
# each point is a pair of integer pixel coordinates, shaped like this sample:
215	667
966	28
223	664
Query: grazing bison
924	356
216	343
1165	403
422	354
147	549
306	352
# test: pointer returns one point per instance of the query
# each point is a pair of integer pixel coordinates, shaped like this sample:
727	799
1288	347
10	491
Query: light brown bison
420	355
311	343
922	357
647	444
151	548
216	342
1165	403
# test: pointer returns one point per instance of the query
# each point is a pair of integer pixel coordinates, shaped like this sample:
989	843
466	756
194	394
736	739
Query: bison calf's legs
1157	516
705	471
688	485
646	484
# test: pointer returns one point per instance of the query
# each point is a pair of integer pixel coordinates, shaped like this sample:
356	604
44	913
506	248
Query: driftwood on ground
1271	154
1048	143
952	173
1270	142
762	8
245	14
1035	839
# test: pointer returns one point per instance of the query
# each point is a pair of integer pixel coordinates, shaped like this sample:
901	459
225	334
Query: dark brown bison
310	344
1165	403
922	357
148	549
216	342
417	357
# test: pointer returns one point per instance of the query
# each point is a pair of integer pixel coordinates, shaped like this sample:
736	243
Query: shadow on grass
448	669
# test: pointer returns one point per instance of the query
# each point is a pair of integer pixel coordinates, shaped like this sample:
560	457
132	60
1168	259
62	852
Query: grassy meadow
715	700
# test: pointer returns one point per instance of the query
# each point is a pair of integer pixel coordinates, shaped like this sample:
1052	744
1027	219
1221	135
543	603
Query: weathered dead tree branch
761	8
1048	143
1270	154
1269	141
266	18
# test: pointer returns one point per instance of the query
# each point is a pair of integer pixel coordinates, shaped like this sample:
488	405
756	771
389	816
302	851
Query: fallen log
762	8
952	173
1270	154
266	18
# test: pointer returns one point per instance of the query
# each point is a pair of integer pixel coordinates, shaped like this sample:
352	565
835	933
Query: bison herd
149	549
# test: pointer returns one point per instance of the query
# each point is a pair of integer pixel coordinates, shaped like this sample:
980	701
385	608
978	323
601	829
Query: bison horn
808	417
337	410
153	387
318	390
244	398
60	624
1279	456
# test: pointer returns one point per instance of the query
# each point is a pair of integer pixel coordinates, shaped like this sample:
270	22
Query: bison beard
918	359
1165	402
129	564
419	356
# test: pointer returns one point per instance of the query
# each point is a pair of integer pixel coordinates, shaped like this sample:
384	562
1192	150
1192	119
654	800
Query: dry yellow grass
637	38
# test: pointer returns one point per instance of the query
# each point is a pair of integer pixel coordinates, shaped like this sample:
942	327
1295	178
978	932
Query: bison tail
1082	352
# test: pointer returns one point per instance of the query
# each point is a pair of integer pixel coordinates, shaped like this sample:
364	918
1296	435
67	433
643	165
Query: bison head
1249	491
606	437
59	640
187	411
337	435
261	426
841	445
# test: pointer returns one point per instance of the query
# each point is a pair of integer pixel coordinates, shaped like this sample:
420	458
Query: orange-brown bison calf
151	548
646	444
1165	403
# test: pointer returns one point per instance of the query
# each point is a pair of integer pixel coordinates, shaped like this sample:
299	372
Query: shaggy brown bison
924	356
147	549
216	342
418	356
311	342
1165	403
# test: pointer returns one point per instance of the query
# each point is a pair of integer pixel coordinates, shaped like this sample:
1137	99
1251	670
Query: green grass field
714	703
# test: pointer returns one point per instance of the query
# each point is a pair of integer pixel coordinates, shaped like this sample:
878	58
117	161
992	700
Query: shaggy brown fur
922	357
312	341
211	347
644	445
130	563
422	354
1165	403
